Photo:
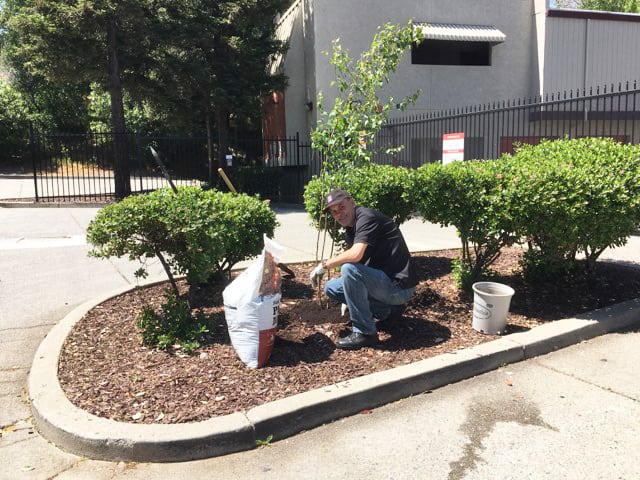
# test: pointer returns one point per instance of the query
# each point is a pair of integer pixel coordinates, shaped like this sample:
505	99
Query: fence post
138	159
33	159
298	172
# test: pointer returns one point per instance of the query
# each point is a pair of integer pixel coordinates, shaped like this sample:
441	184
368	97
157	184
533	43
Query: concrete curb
82	433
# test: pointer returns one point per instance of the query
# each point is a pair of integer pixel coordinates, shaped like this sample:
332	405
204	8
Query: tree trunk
120	157
210	148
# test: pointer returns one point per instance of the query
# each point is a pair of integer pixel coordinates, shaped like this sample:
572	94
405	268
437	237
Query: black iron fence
493	129
79	167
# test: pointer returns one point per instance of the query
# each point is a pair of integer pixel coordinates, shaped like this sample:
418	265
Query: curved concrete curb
81	433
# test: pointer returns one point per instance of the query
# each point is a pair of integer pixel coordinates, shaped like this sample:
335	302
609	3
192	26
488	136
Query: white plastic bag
247	285
251	304
252	329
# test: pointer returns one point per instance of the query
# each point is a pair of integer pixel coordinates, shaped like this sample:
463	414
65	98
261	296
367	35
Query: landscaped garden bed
106	370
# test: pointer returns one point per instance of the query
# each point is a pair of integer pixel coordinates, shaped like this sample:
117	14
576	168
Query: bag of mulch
251	304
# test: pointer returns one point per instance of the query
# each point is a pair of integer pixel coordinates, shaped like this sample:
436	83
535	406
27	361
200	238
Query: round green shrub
381	187
574	197
469	196
193	232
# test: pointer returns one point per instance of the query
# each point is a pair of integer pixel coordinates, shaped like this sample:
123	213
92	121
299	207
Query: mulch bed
105	370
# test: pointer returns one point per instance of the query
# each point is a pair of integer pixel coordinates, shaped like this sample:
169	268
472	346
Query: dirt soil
105	370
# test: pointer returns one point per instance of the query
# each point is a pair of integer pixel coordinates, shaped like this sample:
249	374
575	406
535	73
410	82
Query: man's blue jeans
368	292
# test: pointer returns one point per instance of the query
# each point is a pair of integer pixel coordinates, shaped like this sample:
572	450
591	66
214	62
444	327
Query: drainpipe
586	64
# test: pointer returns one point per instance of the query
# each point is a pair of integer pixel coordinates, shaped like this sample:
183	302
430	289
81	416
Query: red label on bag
265	345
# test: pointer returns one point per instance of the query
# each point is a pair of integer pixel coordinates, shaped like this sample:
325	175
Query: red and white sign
452	147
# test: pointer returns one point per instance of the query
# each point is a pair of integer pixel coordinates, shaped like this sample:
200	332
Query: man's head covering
336	196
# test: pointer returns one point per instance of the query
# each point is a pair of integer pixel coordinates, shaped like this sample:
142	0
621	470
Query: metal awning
461	33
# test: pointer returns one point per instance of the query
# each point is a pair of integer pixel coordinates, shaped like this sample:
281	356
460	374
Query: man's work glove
316	274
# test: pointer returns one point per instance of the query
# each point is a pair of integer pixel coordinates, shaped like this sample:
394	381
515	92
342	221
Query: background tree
49	106
628	6
185	65
345	134
106	41
216	67
140	115
13	123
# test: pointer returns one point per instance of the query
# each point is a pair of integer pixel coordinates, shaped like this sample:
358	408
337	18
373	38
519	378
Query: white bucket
490	306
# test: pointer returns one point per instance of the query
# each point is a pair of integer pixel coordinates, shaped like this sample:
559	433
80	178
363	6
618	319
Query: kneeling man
378	276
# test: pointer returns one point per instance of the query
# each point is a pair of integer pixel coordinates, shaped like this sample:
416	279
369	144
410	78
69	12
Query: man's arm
353	255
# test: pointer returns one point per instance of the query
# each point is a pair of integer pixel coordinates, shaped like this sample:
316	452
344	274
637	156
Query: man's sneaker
357	340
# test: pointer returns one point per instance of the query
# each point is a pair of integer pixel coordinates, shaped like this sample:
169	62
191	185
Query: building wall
296	93
511	74
310	67
545	51
588	49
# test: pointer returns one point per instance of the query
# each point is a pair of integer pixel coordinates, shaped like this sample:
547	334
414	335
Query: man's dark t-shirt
386	250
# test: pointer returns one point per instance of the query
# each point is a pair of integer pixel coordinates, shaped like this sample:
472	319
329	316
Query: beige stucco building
480	51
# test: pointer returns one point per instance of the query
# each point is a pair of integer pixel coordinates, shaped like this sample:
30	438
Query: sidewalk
16	186
572	415
45	273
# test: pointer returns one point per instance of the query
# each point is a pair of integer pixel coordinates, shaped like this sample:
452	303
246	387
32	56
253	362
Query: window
455	44
451	52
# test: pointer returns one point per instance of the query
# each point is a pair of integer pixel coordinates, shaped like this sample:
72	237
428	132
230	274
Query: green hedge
469	196
381	187
572	197
565	199
263	181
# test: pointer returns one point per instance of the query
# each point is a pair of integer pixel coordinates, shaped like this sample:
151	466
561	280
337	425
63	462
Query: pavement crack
31	327
70	467
13	369
587	382
77	222
22	440
124	277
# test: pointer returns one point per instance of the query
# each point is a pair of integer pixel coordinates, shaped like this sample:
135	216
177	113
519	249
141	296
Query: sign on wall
452	147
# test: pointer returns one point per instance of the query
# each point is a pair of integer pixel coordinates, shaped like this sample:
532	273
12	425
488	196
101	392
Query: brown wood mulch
105	370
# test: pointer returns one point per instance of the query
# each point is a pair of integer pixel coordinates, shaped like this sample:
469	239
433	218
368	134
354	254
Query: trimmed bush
193	232
571	197
469	196
381	187
244	219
